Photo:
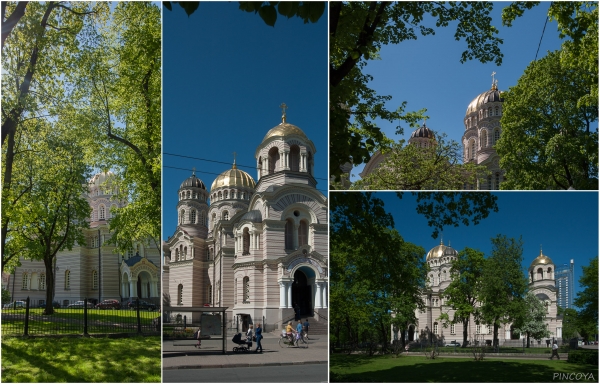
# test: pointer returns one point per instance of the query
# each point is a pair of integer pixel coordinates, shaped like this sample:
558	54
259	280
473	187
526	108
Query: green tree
309	11
464	290
357	30
51	216
532	319
438	167
503	284
548	141
587	299
121	105
5	296
570	323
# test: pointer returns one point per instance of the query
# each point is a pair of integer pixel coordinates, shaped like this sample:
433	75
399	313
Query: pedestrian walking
258	334
198	337
554	351
305	327
249	336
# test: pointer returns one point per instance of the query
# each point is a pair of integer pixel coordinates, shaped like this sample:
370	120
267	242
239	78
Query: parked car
15	304
107	304
143	305
80	304
55	304
453	343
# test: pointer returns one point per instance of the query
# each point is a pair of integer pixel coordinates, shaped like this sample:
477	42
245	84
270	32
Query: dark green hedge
583	356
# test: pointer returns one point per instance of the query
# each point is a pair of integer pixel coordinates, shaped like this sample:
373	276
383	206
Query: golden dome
493	95
233	178
284	129
441	250
541	259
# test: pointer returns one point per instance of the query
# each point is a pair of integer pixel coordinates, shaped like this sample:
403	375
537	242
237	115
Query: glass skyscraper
564	284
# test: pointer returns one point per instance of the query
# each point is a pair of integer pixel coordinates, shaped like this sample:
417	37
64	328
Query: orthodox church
94	271
258	248
482	131
440	258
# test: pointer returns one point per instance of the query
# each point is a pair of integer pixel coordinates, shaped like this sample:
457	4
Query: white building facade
257	248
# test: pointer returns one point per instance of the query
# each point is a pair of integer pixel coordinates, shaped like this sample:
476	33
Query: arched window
540	274
226	215
260	167
220	194
25	284
478	330
209	294
295	158
193	216
181	216
246	242
102	212
309	163
497	186
67	279
226	195
452	329
435	328
185	253
202	219
180	294
302	233
43	282
177	254
496	135
497	111
189	195
490	111
289	234
489	182
274	165
246	290
472	149
483	138
549	273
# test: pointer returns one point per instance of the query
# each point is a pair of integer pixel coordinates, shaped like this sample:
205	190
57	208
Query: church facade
258	248
94	271
439	259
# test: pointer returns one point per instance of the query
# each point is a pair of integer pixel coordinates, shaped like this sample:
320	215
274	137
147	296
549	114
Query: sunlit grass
122	360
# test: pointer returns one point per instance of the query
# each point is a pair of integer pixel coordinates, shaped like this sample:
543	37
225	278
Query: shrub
583	356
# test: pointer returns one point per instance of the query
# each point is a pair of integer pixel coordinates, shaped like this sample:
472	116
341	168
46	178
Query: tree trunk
527	339
465	331
49	285
496	341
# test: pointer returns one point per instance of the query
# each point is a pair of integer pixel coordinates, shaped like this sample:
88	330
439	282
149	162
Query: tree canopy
357	30
414	167
587	299
532	319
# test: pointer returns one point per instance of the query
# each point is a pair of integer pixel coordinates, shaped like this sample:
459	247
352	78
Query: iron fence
78	320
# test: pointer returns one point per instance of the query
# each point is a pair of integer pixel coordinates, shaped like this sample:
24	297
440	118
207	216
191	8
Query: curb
209	366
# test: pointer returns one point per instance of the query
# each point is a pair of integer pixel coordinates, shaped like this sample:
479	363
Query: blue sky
564	223
427	72
225	73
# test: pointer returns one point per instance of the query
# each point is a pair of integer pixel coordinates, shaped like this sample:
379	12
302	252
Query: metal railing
78	320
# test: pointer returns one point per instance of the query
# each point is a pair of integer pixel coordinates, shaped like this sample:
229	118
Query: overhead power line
541	37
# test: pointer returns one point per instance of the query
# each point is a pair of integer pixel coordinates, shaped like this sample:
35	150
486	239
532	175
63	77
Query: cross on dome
234	166
193	171
494	81
283	114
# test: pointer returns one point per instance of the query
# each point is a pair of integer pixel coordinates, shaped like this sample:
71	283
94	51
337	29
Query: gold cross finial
283	115
234	166
193	171
494	81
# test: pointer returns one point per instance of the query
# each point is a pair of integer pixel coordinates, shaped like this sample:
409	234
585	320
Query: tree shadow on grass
460	370
31	358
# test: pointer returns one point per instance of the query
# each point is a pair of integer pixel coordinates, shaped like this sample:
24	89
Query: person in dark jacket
258	334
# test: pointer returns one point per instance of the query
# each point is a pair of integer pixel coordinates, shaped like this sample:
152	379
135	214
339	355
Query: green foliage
358	30
583	356
570	323
465	288
547	140
437	167
309	11
374	272
5	296
503	283
587	299
532	319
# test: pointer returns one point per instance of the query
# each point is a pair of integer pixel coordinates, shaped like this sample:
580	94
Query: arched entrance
302	291
143	285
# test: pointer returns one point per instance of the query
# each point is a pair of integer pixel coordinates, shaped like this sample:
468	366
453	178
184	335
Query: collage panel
245	221
463	286
81	191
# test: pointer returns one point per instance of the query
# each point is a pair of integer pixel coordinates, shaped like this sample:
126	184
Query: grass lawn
54	360
359	368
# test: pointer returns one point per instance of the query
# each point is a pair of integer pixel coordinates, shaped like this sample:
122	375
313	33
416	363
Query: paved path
291	374
182	354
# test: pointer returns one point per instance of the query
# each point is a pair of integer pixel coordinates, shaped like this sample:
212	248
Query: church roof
541	259
233	177
423	131
440	251
136	259
486	97
254	216
284	129
194	182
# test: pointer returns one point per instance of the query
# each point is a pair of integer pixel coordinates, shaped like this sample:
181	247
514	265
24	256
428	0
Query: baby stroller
243	345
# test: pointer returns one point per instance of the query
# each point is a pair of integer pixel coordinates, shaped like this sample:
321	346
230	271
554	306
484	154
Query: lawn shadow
34	360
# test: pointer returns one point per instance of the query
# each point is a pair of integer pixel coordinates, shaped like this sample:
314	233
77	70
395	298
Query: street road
306	373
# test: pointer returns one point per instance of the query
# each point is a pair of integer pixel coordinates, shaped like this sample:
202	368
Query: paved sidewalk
182	354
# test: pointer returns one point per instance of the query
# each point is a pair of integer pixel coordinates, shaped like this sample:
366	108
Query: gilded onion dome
284	129
486	97
193	182
440	251
423	132
541	259
233	178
